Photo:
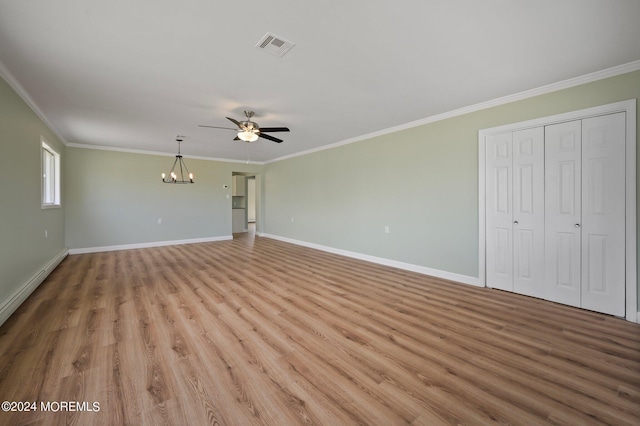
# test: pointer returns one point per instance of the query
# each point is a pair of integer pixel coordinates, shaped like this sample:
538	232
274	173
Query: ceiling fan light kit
247	136
179	169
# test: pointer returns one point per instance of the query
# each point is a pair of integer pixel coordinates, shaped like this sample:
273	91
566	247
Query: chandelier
179	169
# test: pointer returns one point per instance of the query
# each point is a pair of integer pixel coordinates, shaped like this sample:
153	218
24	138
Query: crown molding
17	87
565	84
549	88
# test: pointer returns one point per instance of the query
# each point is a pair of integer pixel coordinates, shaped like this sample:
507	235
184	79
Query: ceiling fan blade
274	129
271	138
216	127
237	139
236	122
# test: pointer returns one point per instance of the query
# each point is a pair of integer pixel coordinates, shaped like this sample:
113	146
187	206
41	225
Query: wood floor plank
255	331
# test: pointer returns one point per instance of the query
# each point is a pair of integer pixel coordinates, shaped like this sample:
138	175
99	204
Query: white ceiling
133	74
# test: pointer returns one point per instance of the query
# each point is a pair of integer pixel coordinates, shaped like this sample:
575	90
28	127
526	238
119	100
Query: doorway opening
245	204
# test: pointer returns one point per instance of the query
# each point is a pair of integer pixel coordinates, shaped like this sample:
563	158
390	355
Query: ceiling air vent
274	44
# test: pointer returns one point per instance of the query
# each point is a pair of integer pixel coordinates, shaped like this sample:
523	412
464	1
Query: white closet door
562	212
528	212
603	214
499	239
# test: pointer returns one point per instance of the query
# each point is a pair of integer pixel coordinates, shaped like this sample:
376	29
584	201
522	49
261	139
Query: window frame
49	176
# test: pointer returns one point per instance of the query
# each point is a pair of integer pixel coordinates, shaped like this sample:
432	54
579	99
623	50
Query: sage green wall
23	246
116	198
421	182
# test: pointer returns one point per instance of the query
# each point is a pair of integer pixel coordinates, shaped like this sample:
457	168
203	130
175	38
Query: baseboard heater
9	306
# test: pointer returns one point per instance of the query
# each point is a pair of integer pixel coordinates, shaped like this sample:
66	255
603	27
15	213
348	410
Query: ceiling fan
249	131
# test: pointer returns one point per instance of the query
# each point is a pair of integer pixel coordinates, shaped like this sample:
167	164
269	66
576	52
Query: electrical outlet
159	221
46	233
291	219
386	229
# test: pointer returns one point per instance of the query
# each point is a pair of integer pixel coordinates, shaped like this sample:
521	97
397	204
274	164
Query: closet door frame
631	260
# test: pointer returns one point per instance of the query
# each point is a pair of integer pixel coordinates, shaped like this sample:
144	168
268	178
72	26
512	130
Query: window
50	176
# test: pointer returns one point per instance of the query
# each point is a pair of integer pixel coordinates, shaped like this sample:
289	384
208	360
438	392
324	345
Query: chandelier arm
169	178
187	170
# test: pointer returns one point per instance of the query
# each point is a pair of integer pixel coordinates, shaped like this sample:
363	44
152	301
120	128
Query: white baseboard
9	306
148	245
451	276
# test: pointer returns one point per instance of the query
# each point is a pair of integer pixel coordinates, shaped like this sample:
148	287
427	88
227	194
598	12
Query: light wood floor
250	332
